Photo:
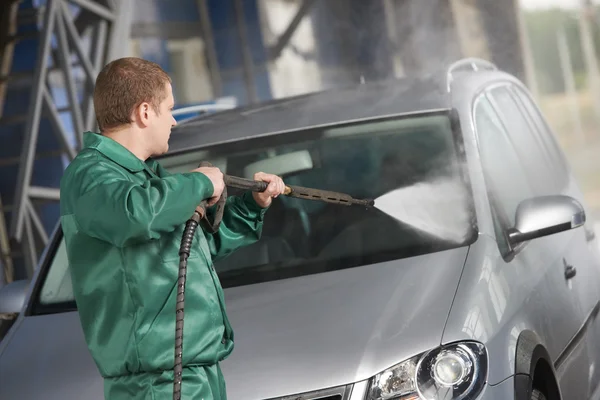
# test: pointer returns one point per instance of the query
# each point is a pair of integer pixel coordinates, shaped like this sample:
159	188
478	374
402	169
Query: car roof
362	101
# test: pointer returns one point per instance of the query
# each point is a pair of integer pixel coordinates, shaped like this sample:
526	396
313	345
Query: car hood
330	329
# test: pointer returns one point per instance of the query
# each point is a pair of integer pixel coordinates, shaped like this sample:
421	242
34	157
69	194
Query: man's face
162	123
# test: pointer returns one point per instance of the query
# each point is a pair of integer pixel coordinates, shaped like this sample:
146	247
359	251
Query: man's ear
142	114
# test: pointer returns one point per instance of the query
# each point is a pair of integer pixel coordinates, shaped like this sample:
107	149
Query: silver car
475	277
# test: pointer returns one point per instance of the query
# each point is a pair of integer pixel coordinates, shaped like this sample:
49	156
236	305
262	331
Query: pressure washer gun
290	191
200	216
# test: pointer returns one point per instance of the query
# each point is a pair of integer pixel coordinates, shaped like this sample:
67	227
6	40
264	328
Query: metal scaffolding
76	39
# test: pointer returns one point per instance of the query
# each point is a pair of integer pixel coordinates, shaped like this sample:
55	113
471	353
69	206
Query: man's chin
162	152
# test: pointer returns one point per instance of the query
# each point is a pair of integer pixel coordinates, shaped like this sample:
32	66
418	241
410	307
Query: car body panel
496	301
51	351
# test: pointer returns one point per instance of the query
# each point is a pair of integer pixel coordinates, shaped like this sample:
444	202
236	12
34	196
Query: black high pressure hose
184	253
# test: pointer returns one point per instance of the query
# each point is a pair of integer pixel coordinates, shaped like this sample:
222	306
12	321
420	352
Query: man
123	216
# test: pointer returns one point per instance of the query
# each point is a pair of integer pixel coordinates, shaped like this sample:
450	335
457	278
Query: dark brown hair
124	84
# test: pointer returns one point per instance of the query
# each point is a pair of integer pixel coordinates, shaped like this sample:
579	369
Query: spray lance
200	217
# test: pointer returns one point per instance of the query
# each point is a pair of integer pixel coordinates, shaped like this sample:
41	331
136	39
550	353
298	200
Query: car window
506	180
57	286
412	165
542	129
535	160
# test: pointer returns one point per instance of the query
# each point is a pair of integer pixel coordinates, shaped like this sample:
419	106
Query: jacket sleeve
109	207
241	226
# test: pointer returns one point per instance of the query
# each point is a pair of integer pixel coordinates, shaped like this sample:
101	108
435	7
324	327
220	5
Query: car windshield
412	165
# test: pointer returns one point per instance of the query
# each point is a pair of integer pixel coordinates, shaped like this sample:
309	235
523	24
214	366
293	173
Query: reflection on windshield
410	165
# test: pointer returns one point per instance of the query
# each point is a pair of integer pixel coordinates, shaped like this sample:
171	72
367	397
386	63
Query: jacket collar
113	150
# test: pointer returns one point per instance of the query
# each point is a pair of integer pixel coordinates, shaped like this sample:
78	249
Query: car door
584	244
516	169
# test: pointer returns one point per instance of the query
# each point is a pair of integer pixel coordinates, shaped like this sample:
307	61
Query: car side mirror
546	215
12	296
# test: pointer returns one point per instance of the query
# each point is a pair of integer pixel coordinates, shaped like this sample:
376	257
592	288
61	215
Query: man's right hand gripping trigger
216	177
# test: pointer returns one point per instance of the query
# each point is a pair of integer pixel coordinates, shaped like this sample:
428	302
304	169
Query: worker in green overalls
123	215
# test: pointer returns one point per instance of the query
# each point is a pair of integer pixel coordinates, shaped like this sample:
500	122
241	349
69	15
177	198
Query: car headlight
452	372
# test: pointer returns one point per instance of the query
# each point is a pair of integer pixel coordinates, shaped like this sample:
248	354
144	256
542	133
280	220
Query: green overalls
123	220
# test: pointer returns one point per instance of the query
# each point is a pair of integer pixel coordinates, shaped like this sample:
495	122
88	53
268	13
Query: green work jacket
123	221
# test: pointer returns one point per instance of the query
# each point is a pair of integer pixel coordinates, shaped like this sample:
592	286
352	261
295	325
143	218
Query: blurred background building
237	52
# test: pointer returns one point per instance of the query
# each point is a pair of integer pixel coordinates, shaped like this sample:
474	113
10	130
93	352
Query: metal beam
59	130
107	41
96	8
99	35
40	192
284	39
33	122
29	250
37	223
75	40
63	47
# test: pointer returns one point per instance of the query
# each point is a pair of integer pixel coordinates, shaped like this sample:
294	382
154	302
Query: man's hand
216	177
275	188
